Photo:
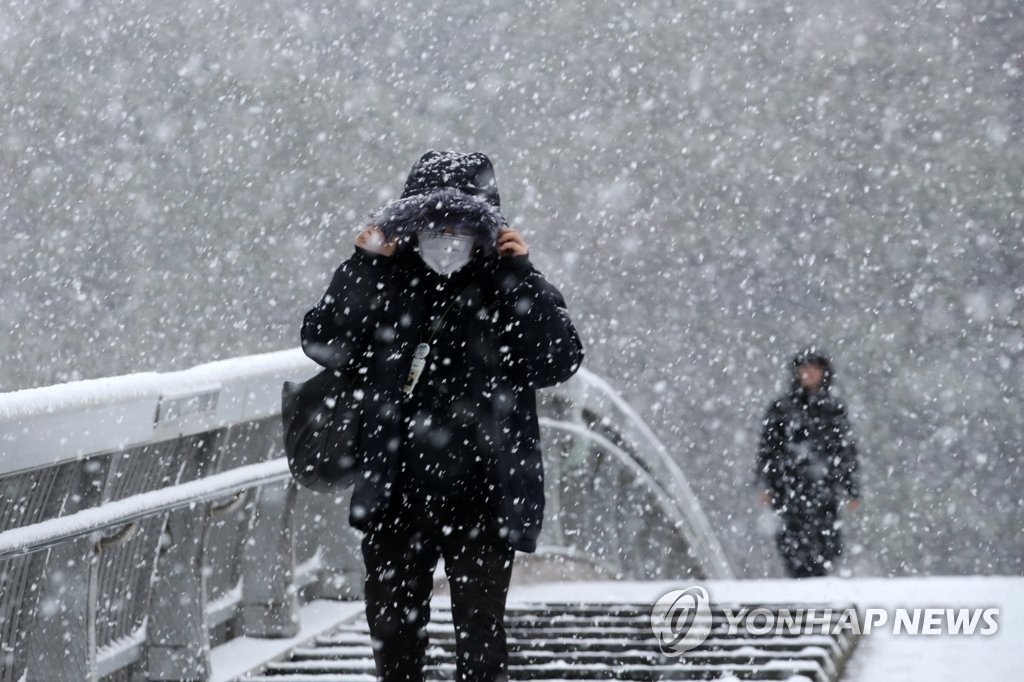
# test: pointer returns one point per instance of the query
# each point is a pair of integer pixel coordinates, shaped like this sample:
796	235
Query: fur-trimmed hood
438	211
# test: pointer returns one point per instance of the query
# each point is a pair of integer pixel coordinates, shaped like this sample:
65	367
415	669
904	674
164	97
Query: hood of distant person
817	356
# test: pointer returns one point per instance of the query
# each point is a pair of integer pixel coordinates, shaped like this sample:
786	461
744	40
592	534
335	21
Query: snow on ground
880	656
243	654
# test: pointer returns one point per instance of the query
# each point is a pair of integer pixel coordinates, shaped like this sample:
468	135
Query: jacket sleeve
539	341
846	452
771	452
338	330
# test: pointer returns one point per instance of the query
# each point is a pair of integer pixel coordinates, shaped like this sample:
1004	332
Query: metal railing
137	515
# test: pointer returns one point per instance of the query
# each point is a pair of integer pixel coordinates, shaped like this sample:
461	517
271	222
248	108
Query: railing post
553	504
178	644
343	572
570	458
270	605
62	645
62	642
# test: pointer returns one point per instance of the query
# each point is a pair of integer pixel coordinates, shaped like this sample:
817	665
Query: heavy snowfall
711	185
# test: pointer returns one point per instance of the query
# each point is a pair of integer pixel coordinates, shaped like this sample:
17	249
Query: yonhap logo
681	620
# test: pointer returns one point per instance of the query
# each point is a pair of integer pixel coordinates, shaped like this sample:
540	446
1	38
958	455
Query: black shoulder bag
322	419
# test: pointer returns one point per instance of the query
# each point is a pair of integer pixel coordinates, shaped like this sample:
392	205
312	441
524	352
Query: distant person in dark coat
455	330
806	463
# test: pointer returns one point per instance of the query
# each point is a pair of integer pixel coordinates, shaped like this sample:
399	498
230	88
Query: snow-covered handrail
605	542
49	425
52	532
148	459
54	424
591	392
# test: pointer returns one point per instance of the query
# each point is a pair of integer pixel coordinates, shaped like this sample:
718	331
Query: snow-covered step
579	670
571	675
584	642
551	654
371	678
337	646
338	660
636	668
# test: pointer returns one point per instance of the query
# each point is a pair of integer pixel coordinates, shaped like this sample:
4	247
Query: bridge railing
138	514
614	491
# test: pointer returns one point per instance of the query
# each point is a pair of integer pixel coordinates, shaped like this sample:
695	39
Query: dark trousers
401	554
809	540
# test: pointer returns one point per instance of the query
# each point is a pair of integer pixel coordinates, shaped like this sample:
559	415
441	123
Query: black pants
401	554
809	540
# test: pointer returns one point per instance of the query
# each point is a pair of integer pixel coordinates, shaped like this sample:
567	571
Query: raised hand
511	243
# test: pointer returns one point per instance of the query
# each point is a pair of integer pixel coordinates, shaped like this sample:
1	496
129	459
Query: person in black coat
806	462
453	330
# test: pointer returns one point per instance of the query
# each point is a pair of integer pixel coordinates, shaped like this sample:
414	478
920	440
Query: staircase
582	642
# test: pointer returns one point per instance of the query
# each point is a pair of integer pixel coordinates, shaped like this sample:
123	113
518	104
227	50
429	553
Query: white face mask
445	253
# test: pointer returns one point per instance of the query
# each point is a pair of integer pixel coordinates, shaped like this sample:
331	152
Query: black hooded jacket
505	333
807	451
